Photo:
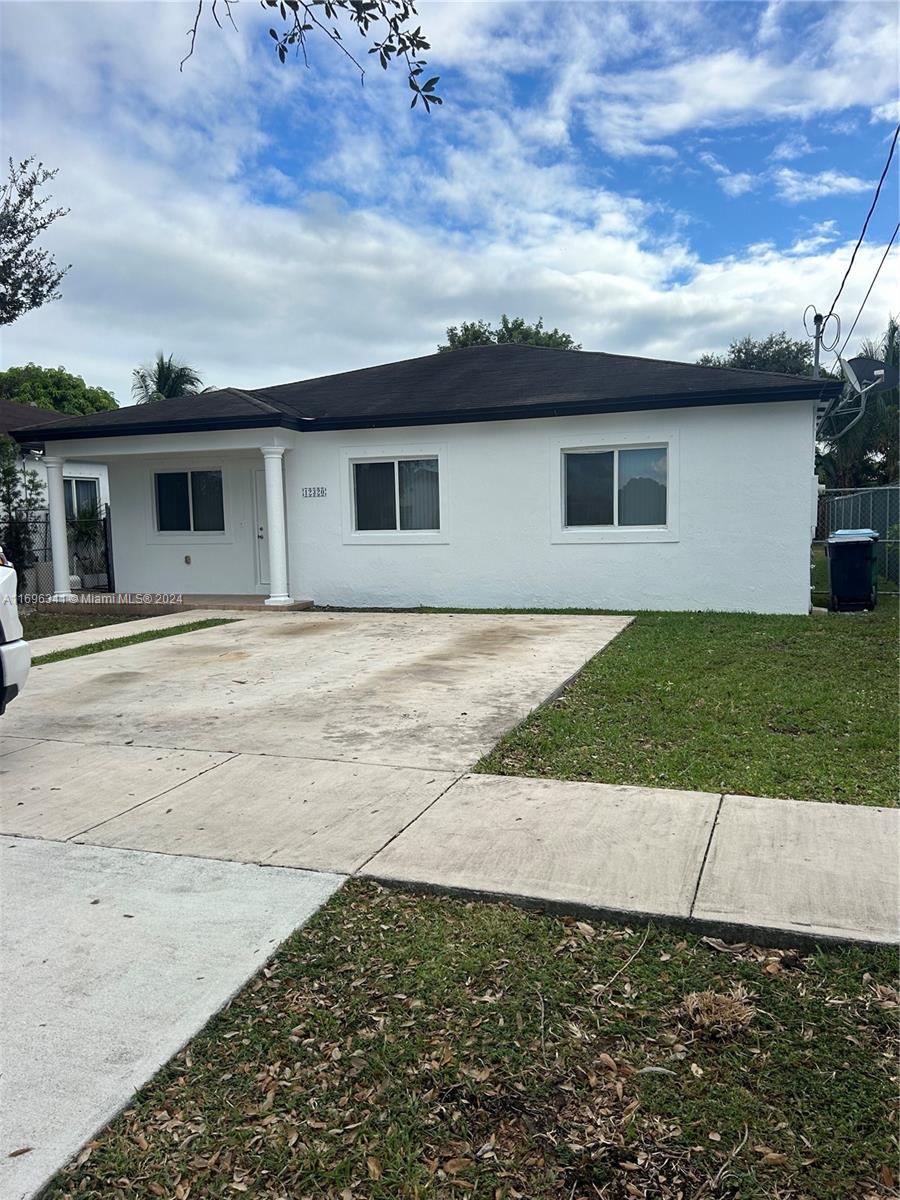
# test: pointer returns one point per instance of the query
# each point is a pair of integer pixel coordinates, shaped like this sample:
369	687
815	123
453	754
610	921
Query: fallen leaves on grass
404	1048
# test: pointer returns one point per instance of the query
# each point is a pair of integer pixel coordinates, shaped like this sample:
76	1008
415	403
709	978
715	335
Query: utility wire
869	292
866	222
840	354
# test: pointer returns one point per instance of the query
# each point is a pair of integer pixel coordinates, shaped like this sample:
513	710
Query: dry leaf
454	1165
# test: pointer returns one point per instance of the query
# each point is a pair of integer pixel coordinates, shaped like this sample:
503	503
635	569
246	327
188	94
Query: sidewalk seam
393	837
712	832
141	803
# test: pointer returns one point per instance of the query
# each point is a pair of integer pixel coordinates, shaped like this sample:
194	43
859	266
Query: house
85	484
495	476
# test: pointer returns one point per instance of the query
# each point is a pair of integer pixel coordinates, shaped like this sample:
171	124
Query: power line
866	222
840	354
869	292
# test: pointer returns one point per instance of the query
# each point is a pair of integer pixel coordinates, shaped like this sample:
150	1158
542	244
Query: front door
262	533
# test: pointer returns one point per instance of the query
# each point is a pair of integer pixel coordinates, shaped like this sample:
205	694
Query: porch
201	523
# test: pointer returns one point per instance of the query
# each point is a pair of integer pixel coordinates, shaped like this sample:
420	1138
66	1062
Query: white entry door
262	532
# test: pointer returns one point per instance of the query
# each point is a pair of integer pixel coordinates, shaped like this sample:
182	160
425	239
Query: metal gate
875	508
26	542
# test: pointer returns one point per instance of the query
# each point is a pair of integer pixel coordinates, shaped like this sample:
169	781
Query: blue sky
654	178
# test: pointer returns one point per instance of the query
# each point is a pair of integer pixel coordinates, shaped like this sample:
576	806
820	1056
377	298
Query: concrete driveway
300	740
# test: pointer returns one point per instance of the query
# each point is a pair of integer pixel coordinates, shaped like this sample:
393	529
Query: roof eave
198	425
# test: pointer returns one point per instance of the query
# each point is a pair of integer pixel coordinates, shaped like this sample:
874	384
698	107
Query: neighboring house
84	483
496	476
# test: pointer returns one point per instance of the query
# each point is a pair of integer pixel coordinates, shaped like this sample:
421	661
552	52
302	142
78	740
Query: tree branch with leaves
387	25
29	276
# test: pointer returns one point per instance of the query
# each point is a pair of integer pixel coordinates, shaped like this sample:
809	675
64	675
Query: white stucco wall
74	470
738	534
739	516
148	561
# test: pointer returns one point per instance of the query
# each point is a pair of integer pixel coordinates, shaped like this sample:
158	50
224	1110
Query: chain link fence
875	508
26	542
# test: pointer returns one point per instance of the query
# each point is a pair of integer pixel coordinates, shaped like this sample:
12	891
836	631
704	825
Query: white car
15	656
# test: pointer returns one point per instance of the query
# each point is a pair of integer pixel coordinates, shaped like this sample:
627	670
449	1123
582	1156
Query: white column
275	526
59	543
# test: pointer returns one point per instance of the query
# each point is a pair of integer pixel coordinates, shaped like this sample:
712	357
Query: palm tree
165	378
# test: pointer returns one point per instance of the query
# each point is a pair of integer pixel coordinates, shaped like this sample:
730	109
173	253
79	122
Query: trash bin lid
854	535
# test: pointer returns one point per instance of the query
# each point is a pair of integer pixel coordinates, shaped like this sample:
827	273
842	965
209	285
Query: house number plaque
313	493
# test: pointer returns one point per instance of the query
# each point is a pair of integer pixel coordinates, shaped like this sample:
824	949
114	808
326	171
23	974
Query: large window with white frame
615	487
189	501
396	495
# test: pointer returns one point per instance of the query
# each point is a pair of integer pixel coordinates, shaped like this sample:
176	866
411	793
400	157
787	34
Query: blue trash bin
853	569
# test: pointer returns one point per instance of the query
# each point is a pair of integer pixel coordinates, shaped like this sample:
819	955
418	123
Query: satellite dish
870	375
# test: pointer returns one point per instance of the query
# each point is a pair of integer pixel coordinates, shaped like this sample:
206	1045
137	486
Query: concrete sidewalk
111	962
742	866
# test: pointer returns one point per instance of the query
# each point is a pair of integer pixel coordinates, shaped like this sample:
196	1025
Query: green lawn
38	624
797	707
149	635
408	1048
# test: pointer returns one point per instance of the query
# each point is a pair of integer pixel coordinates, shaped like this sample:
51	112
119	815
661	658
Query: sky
655	179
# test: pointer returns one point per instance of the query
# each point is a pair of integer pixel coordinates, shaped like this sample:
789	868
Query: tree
777	352
163	379
29	276
21	499
515	329
867	454
53	388
389	22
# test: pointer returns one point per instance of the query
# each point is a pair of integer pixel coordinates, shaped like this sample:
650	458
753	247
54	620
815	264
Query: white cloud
732	183
848	57
796	187
797	145
890	111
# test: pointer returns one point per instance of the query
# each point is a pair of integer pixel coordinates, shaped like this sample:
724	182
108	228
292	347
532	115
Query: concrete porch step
128	603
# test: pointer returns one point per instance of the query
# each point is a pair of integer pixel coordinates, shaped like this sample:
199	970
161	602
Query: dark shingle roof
21	416
479	383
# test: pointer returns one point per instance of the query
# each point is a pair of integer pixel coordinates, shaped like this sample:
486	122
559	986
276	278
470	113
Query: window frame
71	481
185	535
562	533
393	453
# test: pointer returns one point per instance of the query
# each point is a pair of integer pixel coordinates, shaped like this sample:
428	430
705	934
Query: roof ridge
261	404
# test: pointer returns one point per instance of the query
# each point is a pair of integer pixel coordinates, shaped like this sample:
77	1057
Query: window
81	495
400	494
615	488
189	501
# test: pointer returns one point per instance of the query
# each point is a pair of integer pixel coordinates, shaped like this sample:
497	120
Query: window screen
589	489
376	501
419	493
173	509
642	486
206	499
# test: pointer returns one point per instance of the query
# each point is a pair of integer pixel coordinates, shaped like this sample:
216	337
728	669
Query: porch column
59	542
275	526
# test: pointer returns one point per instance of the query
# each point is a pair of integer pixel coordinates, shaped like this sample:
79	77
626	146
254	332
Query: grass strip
39	624
420	1048
150	635
802	708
